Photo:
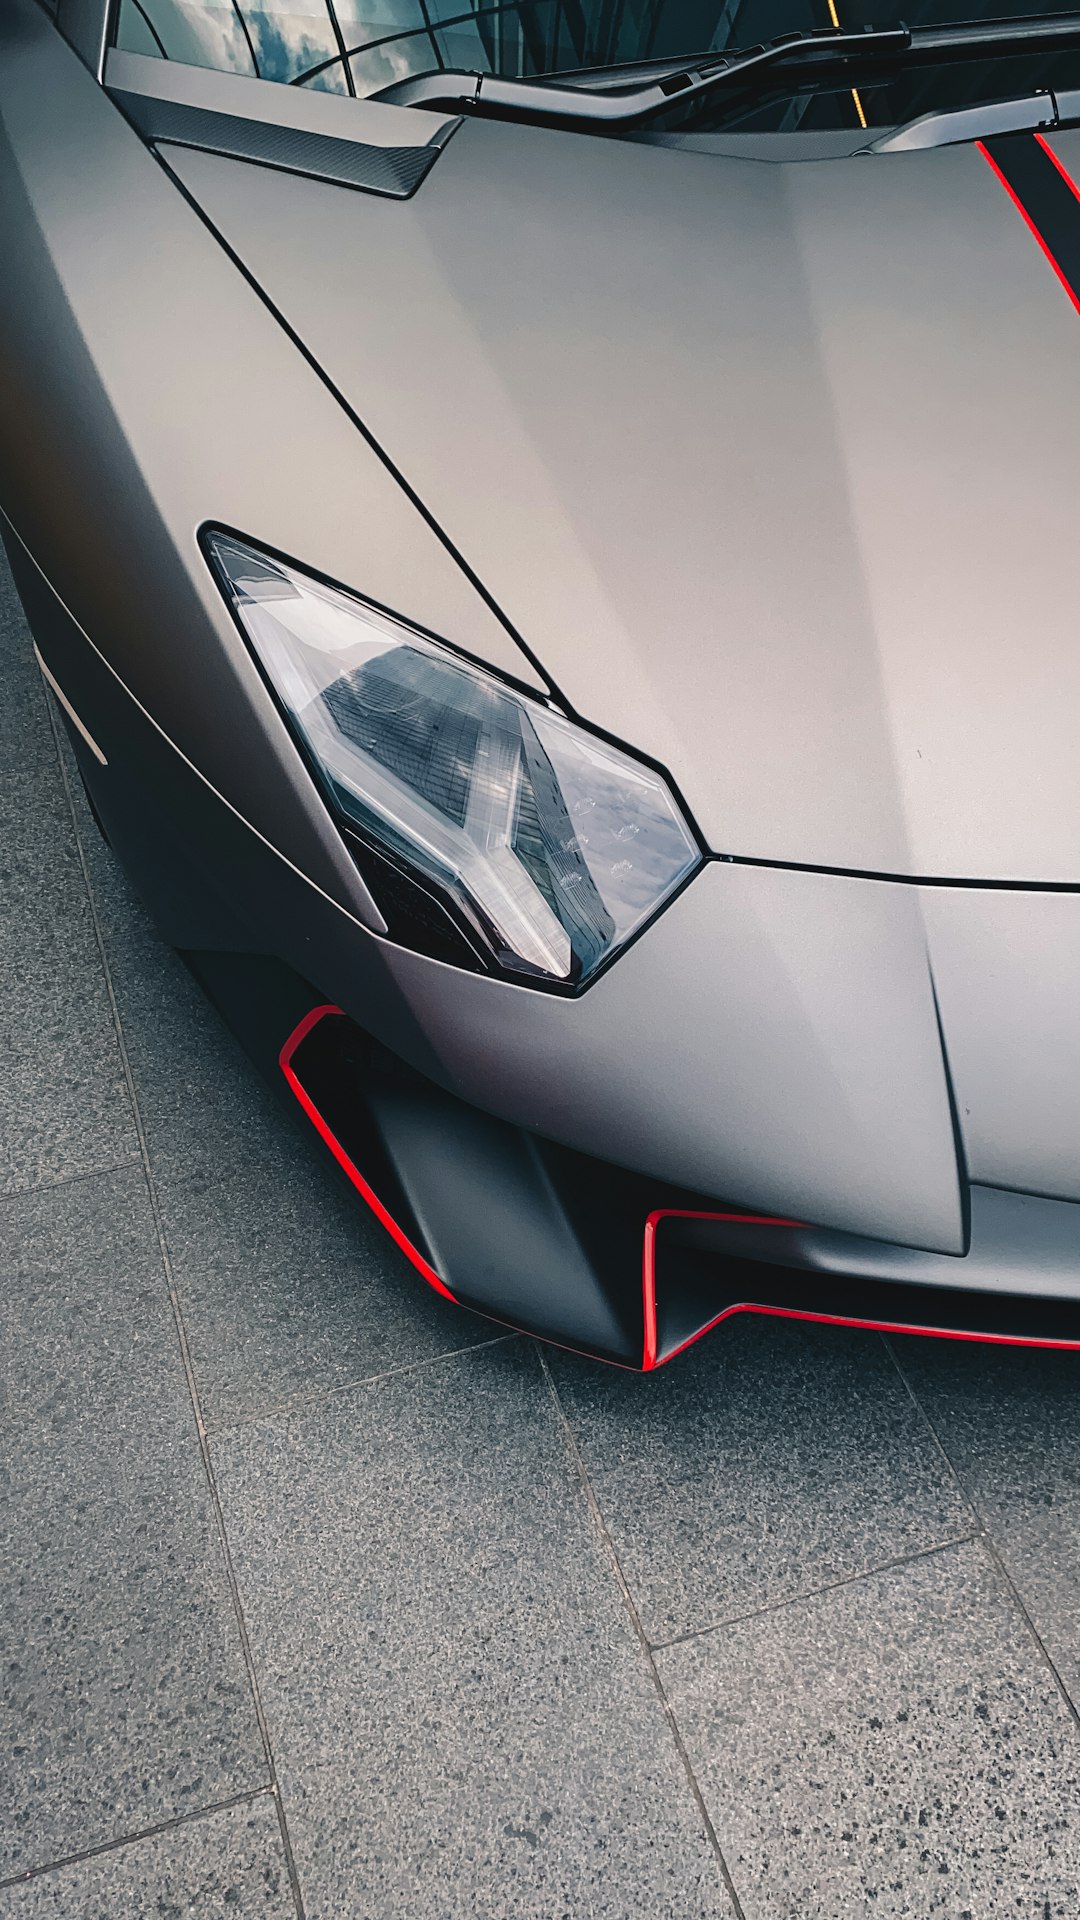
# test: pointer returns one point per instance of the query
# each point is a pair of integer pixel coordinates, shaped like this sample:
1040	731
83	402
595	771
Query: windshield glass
360	46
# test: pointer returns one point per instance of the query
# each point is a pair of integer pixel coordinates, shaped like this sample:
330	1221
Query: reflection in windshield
360	46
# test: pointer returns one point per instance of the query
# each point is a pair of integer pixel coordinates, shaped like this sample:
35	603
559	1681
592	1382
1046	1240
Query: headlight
547	847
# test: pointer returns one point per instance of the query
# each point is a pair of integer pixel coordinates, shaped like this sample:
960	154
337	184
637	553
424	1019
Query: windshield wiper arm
973	36
1030	113
455	91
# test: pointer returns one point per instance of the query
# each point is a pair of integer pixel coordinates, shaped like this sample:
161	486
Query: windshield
361	46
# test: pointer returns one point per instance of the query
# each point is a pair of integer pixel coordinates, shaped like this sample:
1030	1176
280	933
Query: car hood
772	466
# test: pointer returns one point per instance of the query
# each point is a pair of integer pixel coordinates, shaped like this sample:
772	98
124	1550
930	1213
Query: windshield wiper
540	100
546	101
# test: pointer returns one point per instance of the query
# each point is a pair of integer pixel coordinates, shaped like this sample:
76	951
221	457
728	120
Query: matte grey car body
760	460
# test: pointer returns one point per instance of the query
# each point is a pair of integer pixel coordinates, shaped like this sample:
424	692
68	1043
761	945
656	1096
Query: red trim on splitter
385	1219
1054	161
1026	217
650	1361
880	1326
648	1271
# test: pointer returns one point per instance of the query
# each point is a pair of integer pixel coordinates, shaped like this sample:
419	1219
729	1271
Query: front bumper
574	1250
595	1258
559	1244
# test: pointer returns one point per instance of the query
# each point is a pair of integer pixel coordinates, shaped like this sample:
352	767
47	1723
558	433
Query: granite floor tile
26	738
207	1114
895	1749
205	1111
769	1460
460	1714
86	1328
224	1864
64	1108
14	633
1010	1420
126	1699
288	1284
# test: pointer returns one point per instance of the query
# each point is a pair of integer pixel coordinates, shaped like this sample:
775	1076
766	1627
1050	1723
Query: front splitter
586	1255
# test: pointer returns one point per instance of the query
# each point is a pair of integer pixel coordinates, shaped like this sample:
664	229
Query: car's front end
572	637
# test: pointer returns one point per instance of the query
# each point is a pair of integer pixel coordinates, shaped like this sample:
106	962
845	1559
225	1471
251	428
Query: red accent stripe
879	1326
385	1219
1026	217
1062	169
650	1361
648	1270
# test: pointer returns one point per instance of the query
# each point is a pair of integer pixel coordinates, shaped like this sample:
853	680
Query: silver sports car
553	527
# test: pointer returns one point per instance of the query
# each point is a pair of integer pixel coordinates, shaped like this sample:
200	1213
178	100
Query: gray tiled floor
227	1863
921	1760
446	1649
318	1599
770	1462
124	1673
62	1106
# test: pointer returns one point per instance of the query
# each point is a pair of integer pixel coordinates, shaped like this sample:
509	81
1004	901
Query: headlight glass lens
550	846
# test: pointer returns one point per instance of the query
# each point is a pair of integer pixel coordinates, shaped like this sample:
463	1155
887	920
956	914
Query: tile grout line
181	1334
69	1180
30	1874
986	1540
317	1396
628	1602
815	1593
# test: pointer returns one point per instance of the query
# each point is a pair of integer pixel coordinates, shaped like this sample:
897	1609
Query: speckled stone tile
460	1714
26	738
86	1328
64	1108
14	633
1010	1420
126	1699
206	1113
895	1749
228	1863
765	1462
289	1285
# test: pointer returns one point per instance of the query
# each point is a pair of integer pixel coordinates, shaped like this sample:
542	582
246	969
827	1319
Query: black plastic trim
550	1240
394	172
